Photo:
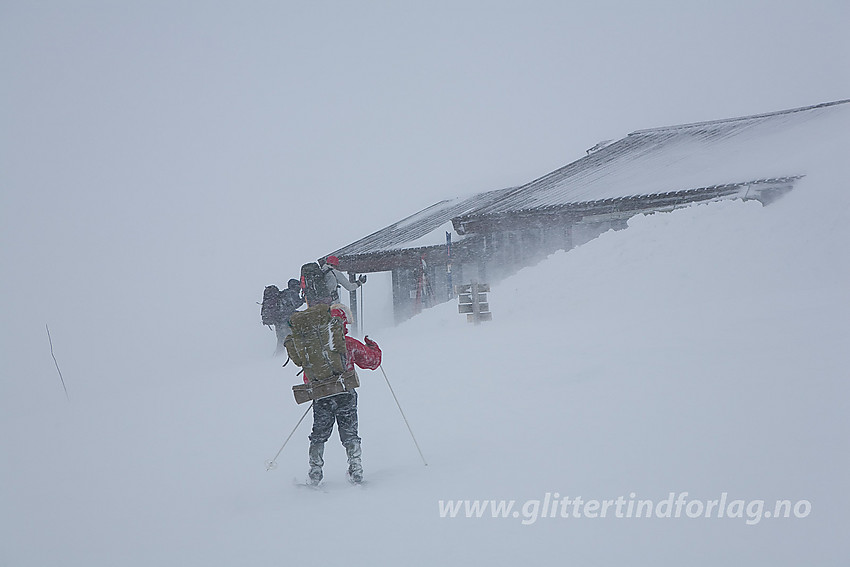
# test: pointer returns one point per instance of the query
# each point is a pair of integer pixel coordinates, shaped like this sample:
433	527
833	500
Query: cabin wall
489	259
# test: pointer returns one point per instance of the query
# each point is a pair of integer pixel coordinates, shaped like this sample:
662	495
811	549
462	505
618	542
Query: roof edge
742	118
626	198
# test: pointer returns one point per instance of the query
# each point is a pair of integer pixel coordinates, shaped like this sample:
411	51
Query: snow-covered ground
700	351
161	162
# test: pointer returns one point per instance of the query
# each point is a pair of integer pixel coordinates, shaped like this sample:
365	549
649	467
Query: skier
334	278
342	408
290	300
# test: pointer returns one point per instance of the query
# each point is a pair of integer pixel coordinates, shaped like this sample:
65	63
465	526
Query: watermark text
675	505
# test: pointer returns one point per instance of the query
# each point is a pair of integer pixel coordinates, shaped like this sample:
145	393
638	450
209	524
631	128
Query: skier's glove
369	342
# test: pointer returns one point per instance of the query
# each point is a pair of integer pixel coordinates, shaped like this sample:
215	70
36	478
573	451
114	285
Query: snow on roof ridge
741	118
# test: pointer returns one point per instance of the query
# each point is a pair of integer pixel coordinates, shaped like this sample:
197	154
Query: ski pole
403	416
273	463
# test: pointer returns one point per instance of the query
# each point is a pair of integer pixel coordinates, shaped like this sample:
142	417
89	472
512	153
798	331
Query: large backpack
313	283
271	310
317	344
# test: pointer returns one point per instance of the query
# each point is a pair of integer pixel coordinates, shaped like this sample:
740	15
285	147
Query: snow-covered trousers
342	409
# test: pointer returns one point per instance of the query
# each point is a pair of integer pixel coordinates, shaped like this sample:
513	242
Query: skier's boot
317	451
355	467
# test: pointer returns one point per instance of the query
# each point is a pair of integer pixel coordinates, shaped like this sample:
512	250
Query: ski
309	486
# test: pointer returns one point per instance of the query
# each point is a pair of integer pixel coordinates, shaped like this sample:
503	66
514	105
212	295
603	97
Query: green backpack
317	343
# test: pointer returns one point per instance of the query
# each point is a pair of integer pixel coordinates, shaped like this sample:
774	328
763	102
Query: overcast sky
169	147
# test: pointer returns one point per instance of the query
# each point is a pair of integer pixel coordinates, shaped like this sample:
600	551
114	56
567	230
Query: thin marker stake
56	363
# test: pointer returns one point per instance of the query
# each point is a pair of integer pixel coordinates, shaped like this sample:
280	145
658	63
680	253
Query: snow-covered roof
426	228
679	158
657	167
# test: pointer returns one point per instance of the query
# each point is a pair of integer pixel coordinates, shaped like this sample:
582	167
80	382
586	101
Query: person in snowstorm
342	408
290	301
335	278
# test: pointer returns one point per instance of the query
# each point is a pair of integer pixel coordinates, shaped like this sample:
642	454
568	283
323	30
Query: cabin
488	236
